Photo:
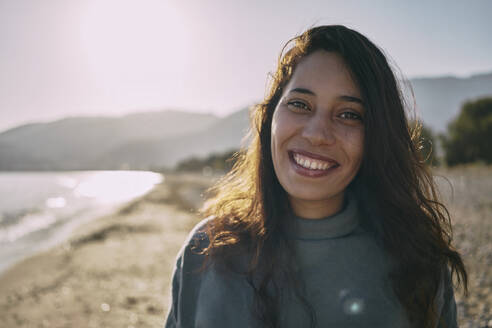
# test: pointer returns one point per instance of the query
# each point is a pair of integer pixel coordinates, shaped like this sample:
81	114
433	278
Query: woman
329	218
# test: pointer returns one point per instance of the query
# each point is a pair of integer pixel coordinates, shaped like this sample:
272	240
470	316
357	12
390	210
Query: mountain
440	99
225	134
161	139
79	142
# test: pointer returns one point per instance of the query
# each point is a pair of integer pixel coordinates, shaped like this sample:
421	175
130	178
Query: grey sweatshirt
343	269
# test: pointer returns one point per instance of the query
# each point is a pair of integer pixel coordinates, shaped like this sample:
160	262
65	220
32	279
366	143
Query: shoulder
198	235
196	241
187	276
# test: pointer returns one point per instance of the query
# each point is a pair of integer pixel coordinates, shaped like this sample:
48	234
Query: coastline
40	210
113	271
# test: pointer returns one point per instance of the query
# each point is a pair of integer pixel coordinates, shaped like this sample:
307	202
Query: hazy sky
109	57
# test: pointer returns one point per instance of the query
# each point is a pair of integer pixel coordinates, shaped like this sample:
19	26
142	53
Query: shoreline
113	271
64	234
64	202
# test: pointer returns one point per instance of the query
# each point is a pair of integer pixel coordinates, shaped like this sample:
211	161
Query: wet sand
115	271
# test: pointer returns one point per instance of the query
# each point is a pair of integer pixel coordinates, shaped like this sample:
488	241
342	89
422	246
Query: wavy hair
397	194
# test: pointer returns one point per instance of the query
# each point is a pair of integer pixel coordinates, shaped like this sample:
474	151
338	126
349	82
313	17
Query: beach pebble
105	307
130	300
151	309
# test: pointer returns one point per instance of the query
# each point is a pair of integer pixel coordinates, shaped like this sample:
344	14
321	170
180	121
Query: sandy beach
115	271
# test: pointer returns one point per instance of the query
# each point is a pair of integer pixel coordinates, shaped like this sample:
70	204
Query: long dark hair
395	190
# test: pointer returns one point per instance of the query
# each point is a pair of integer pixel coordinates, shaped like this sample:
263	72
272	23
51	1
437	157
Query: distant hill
224	134
80	142
162	139
439	99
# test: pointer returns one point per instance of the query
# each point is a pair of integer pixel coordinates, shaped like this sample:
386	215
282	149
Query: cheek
274	136
353	141
281	133
277	130
358	146
284	125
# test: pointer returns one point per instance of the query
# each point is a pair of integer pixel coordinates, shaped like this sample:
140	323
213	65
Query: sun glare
116	186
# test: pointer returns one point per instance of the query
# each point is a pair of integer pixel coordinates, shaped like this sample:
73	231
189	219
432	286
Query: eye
298	105
351	116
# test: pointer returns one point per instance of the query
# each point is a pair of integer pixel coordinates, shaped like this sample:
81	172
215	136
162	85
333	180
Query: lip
308	172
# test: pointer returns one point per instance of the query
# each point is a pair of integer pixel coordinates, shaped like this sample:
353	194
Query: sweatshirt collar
334	226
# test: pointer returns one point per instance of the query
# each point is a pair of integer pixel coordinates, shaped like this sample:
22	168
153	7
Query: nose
319	131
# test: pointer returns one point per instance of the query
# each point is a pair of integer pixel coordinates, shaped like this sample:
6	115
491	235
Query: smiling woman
318	135
330	217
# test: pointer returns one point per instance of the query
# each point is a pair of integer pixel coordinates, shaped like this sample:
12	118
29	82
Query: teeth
311	163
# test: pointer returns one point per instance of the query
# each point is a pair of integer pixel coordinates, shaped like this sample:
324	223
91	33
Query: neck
317	209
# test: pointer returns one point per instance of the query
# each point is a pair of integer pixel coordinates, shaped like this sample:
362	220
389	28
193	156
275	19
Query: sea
40	209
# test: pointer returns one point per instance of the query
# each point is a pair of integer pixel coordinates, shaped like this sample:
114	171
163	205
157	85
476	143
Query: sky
61	58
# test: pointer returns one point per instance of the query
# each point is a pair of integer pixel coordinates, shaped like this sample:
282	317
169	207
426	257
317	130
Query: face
317	135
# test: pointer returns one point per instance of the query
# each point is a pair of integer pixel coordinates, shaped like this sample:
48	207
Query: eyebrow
343	97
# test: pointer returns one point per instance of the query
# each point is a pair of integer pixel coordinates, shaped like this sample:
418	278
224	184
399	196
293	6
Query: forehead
324	72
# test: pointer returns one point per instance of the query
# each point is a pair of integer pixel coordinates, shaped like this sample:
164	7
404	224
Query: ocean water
40	209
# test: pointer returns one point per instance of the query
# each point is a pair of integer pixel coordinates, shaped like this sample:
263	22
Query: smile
311	164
